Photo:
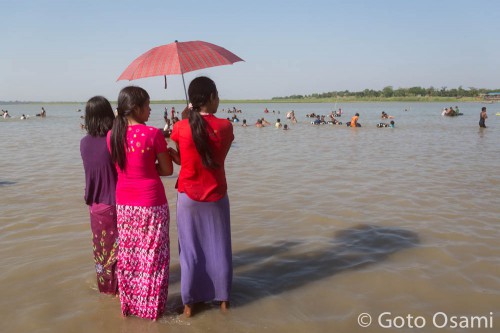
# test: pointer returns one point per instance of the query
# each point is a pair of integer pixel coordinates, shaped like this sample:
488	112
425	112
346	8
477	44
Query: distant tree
400	92
443	92
416	91
388	91
453	92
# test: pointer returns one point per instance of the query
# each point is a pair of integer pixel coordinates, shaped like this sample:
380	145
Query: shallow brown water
328	223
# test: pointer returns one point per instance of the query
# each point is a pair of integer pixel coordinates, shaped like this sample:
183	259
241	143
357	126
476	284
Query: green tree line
389	92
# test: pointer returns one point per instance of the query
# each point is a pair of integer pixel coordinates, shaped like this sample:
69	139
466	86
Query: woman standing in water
482	117
203	220
100	186
140	155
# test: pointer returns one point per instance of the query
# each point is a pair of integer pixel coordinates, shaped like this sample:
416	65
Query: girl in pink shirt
140	155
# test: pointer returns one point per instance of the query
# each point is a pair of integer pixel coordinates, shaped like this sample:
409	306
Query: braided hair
202	91
129	100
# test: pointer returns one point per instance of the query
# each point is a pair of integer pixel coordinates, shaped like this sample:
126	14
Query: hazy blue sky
70	50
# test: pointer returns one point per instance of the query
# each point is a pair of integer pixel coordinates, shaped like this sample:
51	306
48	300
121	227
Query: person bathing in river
482	117
354	121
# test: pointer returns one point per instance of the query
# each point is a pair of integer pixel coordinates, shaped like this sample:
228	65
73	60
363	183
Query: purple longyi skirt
105	239
205	254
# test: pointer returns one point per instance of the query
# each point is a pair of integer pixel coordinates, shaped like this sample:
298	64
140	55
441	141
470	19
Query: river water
329	224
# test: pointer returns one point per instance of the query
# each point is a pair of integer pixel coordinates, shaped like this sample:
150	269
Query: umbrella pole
185	92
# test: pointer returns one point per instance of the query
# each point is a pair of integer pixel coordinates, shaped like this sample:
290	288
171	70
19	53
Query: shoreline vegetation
387	94
293	100
336	100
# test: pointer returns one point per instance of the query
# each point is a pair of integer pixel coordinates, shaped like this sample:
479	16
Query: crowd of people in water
451	112
331	119
7	115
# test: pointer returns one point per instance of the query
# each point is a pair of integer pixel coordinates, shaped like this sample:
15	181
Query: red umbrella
178	58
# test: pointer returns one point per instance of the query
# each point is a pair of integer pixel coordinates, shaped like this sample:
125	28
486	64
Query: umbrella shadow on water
276	269
265	271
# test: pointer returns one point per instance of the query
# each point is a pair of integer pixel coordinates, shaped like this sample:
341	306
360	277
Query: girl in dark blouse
100	188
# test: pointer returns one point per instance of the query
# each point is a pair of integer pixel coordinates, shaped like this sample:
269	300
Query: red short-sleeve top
198	182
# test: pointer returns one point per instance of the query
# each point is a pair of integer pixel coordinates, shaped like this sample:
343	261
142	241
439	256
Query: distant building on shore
492	96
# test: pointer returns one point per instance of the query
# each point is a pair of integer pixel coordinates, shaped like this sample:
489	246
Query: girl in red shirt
203	221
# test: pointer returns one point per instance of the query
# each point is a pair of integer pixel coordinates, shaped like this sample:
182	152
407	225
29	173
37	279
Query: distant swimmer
354	121
334	122
336	113
259	123
318	121
385	115
391	124
264	122
450	112
42	114
165	114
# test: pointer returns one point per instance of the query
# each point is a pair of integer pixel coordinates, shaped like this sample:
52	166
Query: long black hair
202	91
99	116
129	100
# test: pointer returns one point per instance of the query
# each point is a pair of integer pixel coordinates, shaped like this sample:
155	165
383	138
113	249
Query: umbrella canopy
178	58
